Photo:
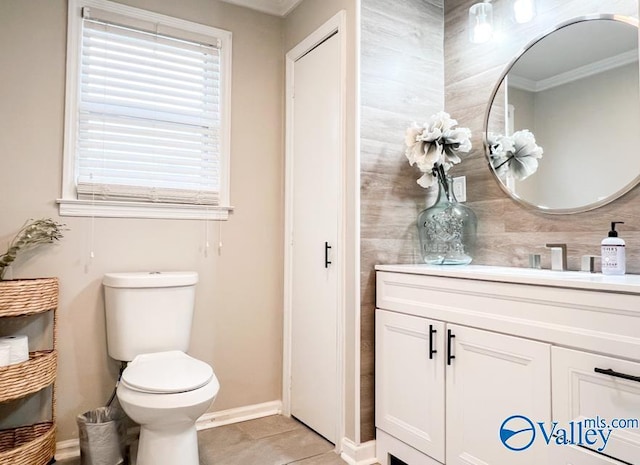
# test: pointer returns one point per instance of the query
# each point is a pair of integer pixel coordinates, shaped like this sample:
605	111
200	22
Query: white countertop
629	283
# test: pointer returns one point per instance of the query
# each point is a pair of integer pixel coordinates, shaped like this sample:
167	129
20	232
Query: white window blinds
149	115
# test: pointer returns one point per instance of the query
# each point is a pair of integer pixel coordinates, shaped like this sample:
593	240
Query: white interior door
317	148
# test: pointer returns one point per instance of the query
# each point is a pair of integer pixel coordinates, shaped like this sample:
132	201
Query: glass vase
447	229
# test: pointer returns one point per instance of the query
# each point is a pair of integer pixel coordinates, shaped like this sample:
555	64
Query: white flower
442	121
499	148
411	137
500	143
426	180
432	156
436	143
458	141
430	134
517	154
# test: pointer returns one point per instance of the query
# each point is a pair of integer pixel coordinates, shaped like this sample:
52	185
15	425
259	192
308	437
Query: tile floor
274	440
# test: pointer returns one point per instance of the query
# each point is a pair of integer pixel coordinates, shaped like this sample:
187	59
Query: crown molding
573	75
272	7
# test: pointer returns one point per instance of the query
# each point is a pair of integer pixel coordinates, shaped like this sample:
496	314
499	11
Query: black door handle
432	351
617	374
326	255
450	337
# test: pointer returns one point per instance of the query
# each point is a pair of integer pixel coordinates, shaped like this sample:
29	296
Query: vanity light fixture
481	22
524	10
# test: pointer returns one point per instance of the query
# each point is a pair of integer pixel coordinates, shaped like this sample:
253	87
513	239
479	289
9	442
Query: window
147	115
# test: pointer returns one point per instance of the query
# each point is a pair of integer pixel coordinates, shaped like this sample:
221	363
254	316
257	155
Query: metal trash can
102	437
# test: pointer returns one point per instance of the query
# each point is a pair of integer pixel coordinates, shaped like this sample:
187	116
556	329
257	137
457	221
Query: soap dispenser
613	252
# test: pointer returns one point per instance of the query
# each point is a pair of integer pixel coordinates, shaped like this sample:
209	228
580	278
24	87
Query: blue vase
447	229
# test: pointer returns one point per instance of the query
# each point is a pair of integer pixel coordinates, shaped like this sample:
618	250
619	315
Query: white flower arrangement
517	154
435	146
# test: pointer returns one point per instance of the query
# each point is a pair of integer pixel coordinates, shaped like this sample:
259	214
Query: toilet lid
166	373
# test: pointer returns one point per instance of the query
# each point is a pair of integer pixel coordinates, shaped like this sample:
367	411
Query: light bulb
482	32
480	22
523	10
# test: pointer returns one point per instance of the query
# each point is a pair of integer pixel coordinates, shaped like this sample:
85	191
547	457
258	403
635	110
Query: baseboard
236	415
71	448
362	454
68	449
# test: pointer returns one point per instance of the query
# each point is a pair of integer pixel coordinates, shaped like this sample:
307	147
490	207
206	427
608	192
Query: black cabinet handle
326	255
616	374
450	337
431	349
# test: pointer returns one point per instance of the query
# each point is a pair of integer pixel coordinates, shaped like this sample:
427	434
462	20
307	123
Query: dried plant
33	233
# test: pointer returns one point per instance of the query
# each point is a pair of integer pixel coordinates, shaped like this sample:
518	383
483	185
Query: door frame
337	24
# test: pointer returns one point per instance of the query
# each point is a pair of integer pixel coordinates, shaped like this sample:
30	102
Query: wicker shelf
28	445
22	379
31	444
28	296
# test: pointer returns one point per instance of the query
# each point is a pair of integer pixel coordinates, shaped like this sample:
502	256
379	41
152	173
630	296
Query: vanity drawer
579	392
572	455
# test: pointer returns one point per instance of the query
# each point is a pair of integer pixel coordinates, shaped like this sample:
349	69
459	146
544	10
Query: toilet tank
148	312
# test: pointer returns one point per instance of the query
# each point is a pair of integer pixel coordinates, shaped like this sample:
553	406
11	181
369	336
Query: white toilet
163	389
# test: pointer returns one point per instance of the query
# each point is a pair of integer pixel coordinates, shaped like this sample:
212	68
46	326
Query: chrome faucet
534	261
558	256
588	263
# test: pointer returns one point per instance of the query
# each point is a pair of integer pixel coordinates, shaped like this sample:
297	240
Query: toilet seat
166	373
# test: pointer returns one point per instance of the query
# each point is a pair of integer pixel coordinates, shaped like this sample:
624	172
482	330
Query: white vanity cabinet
437	380
459	350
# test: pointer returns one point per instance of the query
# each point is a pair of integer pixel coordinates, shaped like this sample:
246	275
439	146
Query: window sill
113	209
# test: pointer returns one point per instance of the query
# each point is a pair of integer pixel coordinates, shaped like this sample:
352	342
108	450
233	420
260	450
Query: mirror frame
556	211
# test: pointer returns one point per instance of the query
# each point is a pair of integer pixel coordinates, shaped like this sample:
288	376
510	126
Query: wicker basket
25	378
28	296
28	445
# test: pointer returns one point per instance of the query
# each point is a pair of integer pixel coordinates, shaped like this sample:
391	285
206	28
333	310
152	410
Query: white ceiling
575	46
272	7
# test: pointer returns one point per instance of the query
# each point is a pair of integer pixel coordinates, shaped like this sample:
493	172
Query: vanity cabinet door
490	378
609	401
410	383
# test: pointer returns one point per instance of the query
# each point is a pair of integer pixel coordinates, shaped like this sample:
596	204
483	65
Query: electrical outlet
460	188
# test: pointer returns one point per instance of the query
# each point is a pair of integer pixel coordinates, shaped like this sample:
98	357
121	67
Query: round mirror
562	133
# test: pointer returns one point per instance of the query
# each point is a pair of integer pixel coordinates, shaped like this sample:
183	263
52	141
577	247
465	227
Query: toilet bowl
165	393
